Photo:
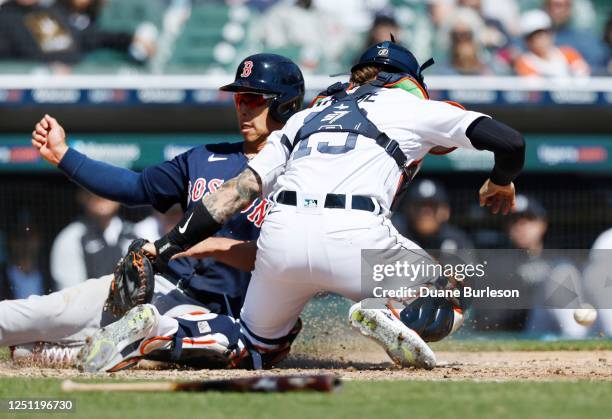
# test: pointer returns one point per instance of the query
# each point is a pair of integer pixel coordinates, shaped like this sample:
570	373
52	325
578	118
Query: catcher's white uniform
304	247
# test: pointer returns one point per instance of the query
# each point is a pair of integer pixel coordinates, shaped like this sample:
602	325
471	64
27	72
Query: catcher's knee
432	318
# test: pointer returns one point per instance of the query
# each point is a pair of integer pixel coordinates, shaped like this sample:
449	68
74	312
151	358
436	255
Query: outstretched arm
161	185
233	196
236	253
105	180
508	146
205	219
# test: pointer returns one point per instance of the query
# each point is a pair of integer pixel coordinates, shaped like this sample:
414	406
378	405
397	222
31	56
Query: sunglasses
252	100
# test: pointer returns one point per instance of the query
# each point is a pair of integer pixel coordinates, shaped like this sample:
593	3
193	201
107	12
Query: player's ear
272	124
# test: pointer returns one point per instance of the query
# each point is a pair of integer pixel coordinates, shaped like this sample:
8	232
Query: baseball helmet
395	59
271	74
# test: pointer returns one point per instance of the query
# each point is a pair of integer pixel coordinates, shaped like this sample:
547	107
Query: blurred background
134	82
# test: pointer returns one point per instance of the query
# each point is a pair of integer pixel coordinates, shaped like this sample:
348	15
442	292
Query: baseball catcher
334	171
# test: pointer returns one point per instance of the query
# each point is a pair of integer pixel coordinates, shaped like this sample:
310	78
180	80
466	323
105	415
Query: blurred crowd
544	38
63	32
88	247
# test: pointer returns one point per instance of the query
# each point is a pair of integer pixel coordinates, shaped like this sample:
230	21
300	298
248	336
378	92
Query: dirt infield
372	364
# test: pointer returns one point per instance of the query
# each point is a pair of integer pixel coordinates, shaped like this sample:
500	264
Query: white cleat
115	347
45	355
402	344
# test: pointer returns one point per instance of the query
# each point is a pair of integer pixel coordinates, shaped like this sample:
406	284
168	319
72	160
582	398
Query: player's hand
497	197
235	253
49	138
208	248
149	249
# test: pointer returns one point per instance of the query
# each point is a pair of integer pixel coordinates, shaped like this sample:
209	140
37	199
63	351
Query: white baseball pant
71	315
302	251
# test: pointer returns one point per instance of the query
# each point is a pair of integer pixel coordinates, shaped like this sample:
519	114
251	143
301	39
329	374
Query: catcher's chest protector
344	115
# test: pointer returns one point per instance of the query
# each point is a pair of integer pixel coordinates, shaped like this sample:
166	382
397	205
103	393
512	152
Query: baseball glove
133	280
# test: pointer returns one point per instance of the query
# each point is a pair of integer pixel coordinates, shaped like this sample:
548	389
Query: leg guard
265	353
200	340
433	318
216	341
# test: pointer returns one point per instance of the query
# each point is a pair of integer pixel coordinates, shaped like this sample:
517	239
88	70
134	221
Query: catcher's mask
394	58
274	77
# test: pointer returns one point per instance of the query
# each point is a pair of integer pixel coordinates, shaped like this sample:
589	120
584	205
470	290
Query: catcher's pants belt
333	200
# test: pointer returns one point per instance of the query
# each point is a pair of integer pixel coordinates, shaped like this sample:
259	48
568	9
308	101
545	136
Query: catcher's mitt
133	280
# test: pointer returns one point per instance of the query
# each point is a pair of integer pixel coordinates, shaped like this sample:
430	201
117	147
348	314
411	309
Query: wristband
196	225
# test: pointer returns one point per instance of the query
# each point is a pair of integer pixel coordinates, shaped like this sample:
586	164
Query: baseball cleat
45	355
115	347
402	344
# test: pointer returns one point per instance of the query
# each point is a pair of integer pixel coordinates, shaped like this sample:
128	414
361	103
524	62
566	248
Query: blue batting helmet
271	74
394	58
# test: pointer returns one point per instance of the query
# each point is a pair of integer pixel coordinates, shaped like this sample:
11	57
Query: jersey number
325	148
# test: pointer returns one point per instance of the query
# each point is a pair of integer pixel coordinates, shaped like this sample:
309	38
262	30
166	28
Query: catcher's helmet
394	58
271	74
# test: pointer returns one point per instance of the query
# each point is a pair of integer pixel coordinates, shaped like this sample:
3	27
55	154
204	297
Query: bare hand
235	253
208	248
149	249
49	138
497	197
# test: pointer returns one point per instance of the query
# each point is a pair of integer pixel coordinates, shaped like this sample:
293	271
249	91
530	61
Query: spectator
535	274
382	28
23	274
543	58
584	41
424	218
466	56
30	31
494	36
544	274
90	247
426	33
61	33
527	228
505	11
353	15
462	20
315	38
82	16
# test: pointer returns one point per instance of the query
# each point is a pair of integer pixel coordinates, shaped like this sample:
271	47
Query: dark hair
379	20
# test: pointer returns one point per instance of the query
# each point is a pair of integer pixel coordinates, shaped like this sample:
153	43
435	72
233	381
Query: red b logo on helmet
246	70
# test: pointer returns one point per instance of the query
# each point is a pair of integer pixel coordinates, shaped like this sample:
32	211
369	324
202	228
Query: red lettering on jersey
214	184
256	212
189	193
247	69
199	187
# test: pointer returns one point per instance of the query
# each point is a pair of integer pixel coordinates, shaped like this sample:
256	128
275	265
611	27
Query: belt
332	200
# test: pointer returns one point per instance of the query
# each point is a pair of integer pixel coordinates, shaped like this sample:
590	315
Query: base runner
268	89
